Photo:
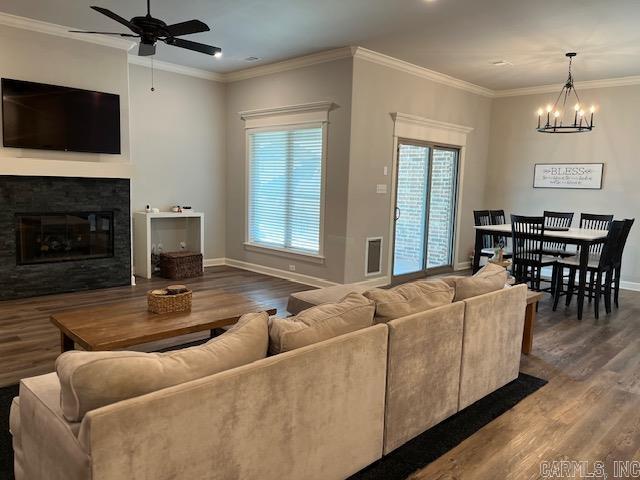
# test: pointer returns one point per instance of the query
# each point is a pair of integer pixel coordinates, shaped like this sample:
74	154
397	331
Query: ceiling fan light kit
149	30
556	113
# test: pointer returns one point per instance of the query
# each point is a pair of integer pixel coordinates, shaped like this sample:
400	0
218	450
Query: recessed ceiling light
500	63
252	59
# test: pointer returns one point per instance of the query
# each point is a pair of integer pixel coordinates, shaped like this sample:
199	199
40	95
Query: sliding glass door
426	192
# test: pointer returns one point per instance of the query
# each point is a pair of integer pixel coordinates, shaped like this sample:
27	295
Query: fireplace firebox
62	237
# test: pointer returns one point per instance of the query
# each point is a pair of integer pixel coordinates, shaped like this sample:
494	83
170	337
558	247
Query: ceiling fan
149	30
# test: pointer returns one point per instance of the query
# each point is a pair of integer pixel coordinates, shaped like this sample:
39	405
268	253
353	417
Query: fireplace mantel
64	168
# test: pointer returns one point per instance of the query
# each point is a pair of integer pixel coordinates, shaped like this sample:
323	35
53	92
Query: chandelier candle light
556	113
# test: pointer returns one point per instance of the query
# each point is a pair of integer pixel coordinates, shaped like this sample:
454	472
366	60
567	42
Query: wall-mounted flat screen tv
51	117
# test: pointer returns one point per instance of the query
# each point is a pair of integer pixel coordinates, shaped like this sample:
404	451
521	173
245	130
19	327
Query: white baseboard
635	286
276	272
462	266
214	262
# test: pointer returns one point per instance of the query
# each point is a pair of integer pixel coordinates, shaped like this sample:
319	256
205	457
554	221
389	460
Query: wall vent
373	256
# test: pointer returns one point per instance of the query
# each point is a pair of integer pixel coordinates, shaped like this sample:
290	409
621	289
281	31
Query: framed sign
568	175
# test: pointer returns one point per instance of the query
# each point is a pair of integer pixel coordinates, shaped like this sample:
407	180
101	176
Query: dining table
582	238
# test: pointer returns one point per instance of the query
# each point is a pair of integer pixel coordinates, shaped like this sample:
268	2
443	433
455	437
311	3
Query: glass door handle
397	214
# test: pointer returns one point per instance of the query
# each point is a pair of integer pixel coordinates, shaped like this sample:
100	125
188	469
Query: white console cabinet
166	232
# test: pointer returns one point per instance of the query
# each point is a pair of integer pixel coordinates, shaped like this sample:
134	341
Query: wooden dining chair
594	221
628	223
601	267
482	218
557	220
528	255
498	218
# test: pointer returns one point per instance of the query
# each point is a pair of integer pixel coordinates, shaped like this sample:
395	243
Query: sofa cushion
320	323
409	298
488	279
93	379
300	301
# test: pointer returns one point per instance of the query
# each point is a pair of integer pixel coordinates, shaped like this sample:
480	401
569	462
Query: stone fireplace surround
39	194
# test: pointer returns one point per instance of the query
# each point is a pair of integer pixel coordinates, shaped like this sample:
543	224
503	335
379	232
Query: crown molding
175	68
61	31
422	72
25	23
585	85
291	64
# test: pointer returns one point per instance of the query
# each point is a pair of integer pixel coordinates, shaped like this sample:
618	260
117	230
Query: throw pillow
320	323
409	298
488	279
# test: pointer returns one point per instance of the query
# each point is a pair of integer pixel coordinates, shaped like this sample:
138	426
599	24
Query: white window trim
413	127
314	112
292	117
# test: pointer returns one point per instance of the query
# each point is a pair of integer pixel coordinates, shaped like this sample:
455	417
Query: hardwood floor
589	410
29	343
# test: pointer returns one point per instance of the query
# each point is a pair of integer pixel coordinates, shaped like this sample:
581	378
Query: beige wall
37	57
515	147
328	81
177	145
178	148
377	92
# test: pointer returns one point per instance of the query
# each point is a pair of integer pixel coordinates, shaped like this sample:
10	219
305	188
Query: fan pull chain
152	87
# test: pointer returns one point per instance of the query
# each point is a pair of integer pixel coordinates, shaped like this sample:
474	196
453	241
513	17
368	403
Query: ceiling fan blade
117	18
195	46
186	28
146	49
106	33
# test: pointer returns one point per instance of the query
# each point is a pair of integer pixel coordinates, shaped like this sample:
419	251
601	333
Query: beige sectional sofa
322	411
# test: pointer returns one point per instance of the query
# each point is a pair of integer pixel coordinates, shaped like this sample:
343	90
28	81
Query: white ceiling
460	38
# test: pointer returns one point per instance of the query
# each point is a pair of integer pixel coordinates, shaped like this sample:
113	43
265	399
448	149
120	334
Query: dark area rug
399	464
435	442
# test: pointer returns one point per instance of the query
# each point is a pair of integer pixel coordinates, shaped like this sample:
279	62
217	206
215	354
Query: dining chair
528	255
498	218
483	218
628	223
601	267
594	221
557	221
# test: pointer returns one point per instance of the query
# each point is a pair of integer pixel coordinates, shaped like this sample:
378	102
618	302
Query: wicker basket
180	302
179	265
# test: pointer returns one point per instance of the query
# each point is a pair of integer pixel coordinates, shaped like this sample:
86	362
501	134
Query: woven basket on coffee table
180	302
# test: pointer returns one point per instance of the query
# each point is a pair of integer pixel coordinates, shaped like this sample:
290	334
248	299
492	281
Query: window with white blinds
285	188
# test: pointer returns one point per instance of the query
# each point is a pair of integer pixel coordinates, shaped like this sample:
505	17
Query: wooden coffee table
128	323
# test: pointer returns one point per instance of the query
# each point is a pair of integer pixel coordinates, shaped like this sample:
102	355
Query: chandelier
559	120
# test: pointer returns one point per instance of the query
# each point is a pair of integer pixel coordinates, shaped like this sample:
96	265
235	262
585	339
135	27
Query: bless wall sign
568	175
